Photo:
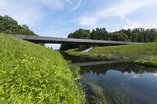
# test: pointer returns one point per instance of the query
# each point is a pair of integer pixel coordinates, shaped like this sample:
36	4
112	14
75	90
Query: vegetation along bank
139	53
32	74
145	54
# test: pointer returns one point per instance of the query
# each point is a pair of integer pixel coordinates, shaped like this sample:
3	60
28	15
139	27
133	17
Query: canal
116	82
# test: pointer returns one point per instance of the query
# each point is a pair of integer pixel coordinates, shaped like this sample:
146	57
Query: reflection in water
97	63
122	67
118	83
121	83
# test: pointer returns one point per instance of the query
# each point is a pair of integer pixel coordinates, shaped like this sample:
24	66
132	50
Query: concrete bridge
56	40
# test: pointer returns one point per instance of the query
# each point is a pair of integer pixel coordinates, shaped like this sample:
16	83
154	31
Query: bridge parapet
57	40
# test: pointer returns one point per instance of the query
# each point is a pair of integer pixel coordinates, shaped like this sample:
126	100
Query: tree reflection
122	67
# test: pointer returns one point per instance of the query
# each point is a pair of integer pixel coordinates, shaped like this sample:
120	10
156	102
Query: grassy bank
32	74
139	53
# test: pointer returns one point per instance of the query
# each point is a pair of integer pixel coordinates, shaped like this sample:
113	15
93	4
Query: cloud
77	6
155	26
28	12
131	24
154	74
68	1
22	11
53	4
88	21
31	12
121	10
135	76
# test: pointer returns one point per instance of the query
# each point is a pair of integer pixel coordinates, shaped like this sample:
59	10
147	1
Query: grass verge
32	74
145	54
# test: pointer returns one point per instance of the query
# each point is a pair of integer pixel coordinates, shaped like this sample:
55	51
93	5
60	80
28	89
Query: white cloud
155	26
88	21
135	76
68	1
154	74
136	25
53	4
77	5
28	12
122	9
22	11
131	24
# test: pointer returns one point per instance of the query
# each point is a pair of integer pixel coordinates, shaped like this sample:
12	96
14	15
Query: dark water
119	83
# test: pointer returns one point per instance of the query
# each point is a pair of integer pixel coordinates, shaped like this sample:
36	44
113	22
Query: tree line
128	35
10	26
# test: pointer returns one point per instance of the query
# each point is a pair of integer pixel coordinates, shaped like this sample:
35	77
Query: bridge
56	40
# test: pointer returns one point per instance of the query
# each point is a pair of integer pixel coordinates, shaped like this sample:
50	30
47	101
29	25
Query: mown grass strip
147	48
145	54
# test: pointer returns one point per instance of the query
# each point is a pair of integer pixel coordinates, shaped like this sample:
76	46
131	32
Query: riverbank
31	74
144	54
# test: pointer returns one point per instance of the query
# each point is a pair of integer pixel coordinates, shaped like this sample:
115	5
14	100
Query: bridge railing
43	39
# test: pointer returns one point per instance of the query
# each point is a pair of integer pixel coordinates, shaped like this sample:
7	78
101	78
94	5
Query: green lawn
148	49
138	53
32	74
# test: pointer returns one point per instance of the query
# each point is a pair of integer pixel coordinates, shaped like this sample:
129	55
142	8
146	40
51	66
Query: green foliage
32	74
138	53
134	49
119	36
141	34
75	71
147	48
147	61
10	26
107	96
134	35
79	34
100	97
100	34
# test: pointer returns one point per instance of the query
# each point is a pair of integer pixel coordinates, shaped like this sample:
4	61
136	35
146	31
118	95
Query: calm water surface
119	83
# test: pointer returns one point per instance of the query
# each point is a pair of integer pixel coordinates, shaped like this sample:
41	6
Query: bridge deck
42	39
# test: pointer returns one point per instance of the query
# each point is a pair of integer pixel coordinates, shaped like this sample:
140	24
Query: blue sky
58	18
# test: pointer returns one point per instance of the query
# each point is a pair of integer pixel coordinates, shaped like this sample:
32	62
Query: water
119	83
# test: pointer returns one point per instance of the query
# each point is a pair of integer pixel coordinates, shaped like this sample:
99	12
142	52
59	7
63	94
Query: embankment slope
32	74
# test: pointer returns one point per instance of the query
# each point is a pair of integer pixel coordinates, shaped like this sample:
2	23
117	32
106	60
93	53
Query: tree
132	35
153	35
100	34
10	26
79	34
119	36
128	32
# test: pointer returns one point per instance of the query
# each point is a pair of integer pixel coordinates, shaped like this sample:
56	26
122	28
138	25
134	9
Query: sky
58	18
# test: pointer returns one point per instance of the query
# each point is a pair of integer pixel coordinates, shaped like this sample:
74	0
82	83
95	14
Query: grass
148	49
100	97
147	62
138	53
32	74
107	95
